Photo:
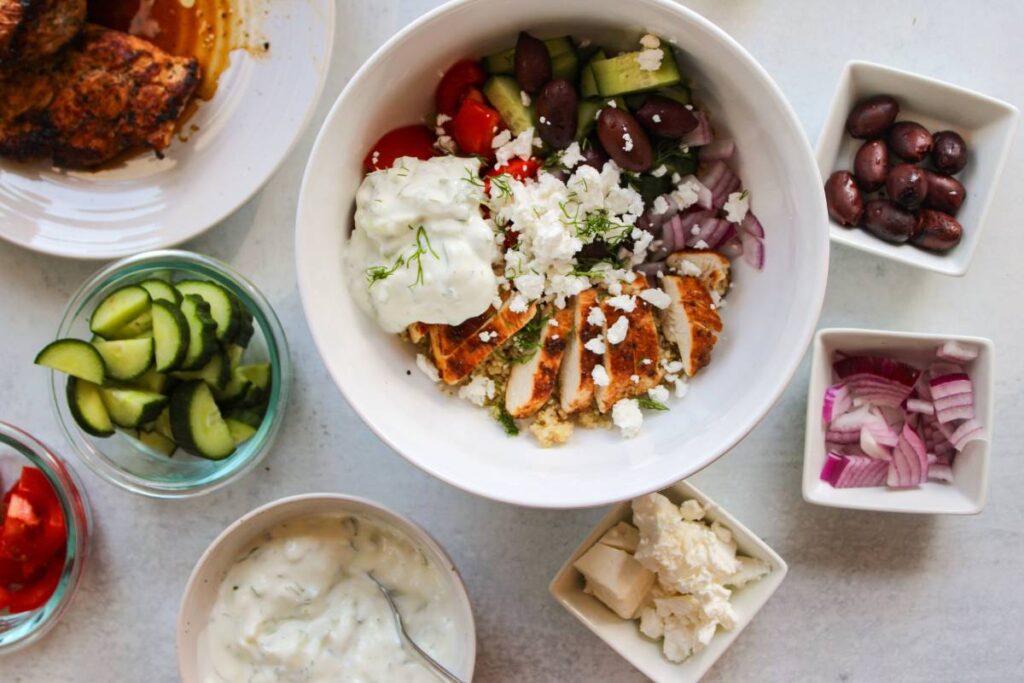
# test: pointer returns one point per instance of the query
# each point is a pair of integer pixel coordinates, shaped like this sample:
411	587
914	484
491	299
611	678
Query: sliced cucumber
171	335
141	326
237	389
155	441
240	431
258	376
121	307
161	290
202	332
250	416
588	84
504	95
235	353
622	74
151	381
162	425
129	408
245	329
504	62
87	407
224	310
197	424
74	357
127	359
565	66
216	373
680	93
586	117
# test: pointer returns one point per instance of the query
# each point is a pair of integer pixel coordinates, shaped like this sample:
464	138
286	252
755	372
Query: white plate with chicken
129	125
554	224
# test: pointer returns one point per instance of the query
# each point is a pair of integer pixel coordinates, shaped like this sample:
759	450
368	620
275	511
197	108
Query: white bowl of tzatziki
284	595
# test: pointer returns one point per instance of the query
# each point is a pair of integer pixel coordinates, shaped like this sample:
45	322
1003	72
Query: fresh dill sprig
649	403
506	420
524	343
378	273
422	247
472	178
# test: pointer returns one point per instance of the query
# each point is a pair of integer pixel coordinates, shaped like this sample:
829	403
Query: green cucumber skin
139	300
211	290
206	335
96	374
179	321
112	367
80	419
181	419
148	413
161	290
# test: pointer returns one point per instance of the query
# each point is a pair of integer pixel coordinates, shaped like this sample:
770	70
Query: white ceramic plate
244	133
770	315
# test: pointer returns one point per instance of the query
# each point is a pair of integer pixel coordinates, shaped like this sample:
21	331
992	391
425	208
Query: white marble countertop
868	597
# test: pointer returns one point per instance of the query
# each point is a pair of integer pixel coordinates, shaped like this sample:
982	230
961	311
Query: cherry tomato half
408	141
520	169
455	84
475	126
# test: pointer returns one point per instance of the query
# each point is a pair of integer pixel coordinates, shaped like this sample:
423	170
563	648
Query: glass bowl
126	462
18	449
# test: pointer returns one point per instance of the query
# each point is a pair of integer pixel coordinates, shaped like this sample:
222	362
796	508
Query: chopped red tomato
35	594
520	169
5	598
408	141
456	84
21	525
10	572
475	126
34	485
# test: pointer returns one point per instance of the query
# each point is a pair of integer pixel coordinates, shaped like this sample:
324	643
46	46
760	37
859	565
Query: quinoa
551	427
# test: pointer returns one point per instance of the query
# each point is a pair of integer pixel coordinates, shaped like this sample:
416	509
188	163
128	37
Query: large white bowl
768	321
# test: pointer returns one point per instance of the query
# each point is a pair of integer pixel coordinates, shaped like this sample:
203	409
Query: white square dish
966	494
987	124
624	636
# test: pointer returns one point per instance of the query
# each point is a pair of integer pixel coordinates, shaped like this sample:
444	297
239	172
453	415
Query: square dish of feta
669	580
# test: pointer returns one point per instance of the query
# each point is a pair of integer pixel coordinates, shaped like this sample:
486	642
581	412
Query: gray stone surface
869	596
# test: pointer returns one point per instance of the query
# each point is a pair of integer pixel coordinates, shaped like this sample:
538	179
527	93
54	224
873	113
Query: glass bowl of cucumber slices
170	374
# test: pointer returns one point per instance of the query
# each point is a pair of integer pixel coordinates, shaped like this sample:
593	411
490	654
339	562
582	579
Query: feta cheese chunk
627	416
623	536
427	367
615	578
737	206
479	390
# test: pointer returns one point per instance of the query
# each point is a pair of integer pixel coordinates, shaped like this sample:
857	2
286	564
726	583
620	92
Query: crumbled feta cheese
681	387
488	335
658	393
617	332
521	146
517	304
375	158
646	361
479	390
585	42
655	297
442	119
687	192
635	379
553	322
600	376
650	59
672	366
676	179
543	120
627	416
530	285
595	346
538	143
716	299
700	244
695	230
428	368
689	268
737	206
656	118
615	289
660	205
623	302
446	144
611	103
596	316
524	97
571	156
650	41
501	139
661	170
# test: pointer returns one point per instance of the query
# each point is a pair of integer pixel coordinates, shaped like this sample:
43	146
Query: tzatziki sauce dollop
421	250
298	606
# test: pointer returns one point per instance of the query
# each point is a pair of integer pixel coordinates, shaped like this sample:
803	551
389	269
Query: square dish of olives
922	159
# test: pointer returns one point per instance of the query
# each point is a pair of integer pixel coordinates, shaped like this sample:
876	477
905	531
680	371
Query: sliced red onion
949	385
751	224
721	195
732	247
702	134
713	175
869	444
837	401
852	471
879	429
953	396
668	234
970	430
719	150
909	464
954	351
940	472
712	232
881	381
753	250
720	179
704	196
916	405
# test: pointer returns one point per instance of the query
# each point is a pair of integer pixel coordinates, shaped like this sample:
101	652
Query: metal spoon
408	642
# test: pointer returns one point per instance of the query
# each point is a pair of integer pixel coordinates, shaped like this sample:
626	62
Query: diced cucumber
197	424
126	359
165	274
87	407
258	376
245	328
504	95
235	353
586	117
171	335
565	66
224	310
162	425
216	373
240	431
238	386
121	307
588	84
504	62
74	357
250	416
622	74
680	93
129	408
142	326
161	290
202	332
151	381
155	441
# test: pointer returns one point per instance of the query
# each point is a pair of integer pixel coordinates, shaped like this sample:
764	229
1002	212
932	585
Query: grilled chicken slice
444	339
33	29
709	266
575	378
473	350
632	364
105	93
531	384
690	321
417	332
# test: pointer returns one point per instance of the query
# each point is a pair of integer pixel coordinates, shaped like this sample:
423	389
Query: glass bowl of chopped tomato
45	525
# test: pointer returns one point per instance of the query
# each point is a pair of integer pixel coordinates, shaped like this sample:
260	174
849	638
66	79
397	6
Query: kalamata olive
624	139
909	141
556	113
949	152
845	203
945	193
665	117
593	153
936	231
871	117
532	63
871	165
907	185
886	220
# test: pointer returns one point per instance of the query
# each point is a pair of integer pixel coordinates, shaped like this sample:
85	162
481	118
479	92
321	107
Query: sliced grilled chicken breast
632	364
690	321
445	339
575	378
531	384
417	331
709	267
473	350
